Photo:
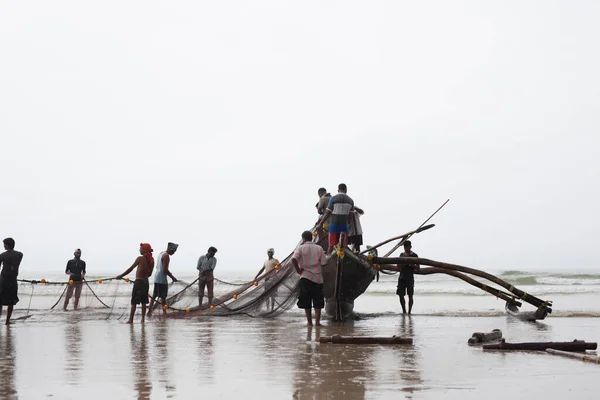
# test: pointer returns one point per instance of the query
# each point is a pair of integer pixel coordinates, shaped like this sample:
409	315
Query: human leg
403	304
78	287
308	316
9	311
131	314
68	296
209	288
411	292
201	285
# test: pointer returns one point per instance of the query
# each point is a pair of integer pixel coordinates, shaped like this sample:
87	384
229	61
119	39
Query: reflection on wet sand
160	354
206	351
7	366
407	359
73	351
331	370
139	362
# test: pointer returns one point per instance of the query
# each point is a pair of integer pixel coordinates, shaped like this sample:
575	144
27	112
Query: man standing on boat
9	287
308	259
324	198
267	267
206	265
76	271
339	208
161	286
355	232
406	280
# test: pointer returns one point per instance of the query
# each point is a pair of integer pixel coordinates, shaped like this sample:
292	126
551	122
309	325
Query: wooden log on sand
485	337
577	356
364	340
576	345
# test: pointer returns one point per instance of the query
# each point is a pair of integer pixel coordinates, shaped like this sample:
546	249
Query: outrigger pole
537	302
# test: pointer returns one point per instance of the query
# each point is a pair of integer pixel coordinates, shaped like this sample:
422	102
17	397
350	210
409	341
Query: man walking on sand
406	280
161	286
308	259
139	295
9	287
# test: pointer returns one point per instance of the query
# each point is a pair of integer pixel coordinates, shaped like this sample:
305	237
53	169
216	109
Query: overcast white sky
215	122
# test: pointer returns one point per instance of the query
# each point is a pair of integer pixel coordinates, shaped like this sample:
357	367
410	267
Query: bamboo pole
405	235
577	356
537	302
493	291
400	243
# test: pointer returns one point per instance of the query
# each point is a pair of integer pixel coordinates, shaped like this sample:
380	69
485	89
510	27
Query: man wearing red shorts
339	208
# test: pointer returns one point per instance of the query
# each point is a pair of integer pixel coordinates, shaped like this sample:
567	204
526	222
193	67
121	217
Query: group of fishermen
337	215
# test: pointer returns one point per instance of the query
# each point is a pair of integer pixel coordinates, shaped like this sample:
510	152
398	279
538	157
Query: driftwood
577	356
453	267
364	340
428	271
576	345
483	337
530	316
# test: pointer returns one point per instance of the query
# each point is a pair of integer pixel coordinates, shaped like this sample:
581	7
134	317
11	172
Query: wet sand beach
252	358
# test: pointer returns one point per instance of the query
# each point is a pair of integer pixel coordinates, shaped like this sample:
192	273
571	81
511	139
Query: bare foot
129	322
309	324
8	323
318	324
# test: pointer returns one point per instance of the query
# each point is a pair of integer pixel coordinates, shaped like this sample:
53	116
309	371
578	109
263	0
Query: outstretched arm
135	264
325	218
259	272
165	263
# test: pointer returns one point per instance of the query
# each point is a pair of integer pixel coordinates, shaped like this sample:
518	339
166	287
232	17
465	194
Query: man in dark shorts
406	280
10	260
139	295
308	259
161	286
76	271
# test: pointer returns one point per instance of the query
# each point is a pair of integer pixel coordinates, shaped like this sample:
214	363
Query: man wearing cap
206	265
9	287
161	286
406	280
139	295
76	271
267	267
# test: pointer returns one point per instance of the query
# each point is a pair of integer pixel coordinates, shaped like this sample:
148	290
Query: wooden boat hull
356	276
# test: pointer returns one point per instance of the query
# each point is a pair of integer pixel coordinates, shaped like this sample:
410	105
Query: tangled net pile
269	295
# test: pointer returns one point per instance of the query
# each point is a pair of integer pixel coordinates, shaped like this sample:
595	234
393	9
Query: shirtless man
141	286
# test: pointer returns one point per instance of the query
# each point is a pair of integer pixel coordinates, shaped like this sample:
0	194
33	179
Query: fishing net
108	298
